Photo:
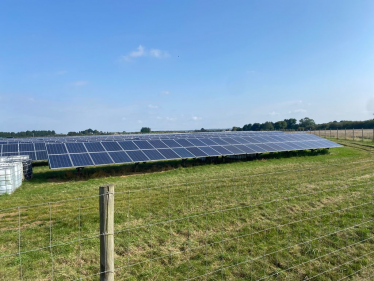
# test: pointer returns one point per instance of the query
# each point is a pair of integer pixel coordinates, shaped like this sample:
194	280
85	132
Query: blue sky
170	65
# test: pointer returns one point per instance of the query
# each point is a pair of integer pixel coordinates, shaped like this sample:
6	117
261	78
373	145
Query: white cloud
143	52
273	113
140	121
170	119
79	83
152	106
298	111
165	93
196	118
158	53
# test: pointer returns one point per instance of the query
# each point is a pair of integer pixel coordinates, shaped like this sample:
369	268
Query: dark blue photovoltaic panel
120	157
56	148
230	141
196	142
219	141
234	149
26	147
240	140
10	154
266	147
184	142
153	154
94	147
128	145
10	148
75	148
277	147
183	153
222	150
209	151
59	161
137	156
41	155
245	148
169	154
255	148
171	143
297	145
143	145
158	144
196	151
208	142
40	146
111	146
81	160
101	158
31	155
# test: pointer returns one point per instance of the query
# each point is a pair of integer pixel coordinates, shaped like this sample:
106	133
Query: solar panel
120	157
81	160
101	158
56	148
183	153
153	154
184	142
169	153
171	143
158	144
143	144
128	145
222	150
59	161
23	147
137	156
196	151
209	151
94	147
75	147
111	146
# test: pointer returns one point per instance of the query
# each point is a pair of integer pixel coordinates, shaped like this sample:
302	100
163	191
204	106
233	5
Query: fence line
216	225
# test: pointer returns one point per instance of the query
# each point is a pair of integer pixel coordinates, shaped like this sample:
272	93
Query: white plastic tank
10	177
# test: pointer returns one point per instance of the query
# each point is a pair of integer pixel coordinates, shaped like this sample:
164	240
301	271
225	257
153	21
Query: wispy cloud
165	93
152	106
273	113
196	118
141	51
80	83
170	119
158	53
298	111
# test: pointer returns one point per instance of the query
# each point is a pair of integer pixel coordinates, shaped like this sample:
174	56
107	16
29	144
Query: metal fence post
106	201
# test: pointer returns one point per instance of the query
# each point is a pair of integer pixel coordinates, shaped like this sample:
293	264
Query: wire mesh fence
308	224
346	134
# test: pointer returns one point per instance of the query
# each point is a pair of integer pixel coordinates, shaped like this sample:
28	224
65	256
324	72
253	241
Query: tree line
28	134
305	124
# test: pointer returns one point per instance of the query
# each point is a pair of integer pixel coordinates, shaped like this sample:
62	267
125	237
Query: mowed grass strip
304	217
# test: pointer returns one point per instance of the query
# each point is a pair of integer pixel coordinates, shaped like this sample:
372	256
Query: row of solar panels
89	154
134	137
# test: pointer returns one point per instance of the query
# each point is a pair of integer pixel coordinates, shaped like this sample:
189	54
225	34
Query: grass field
297	216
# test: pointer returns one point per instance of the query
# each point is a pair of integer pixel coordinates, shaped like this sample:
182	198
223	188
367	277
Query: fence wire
307	224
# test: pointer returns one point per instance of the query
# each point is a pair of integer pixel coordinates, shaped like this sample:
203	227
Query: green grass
286	216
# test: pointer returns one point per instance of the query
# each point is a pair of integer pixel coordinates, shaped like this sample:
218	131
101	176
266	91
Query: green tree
256	127
291	123
145	130
280	125
267	126
307	123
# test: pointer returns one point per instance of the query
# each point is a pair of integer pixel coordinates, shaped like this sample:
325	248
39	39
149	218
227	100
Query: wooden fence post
362	134
353	134
337	133
106	201
345	133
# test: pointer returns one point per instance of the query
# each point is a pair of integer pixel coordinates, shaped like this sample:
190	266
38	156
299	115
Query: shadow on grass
45	174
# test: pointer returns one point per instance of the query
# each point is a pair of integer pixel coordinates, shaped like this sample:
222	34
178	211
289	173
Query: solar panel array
83	154
65	152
